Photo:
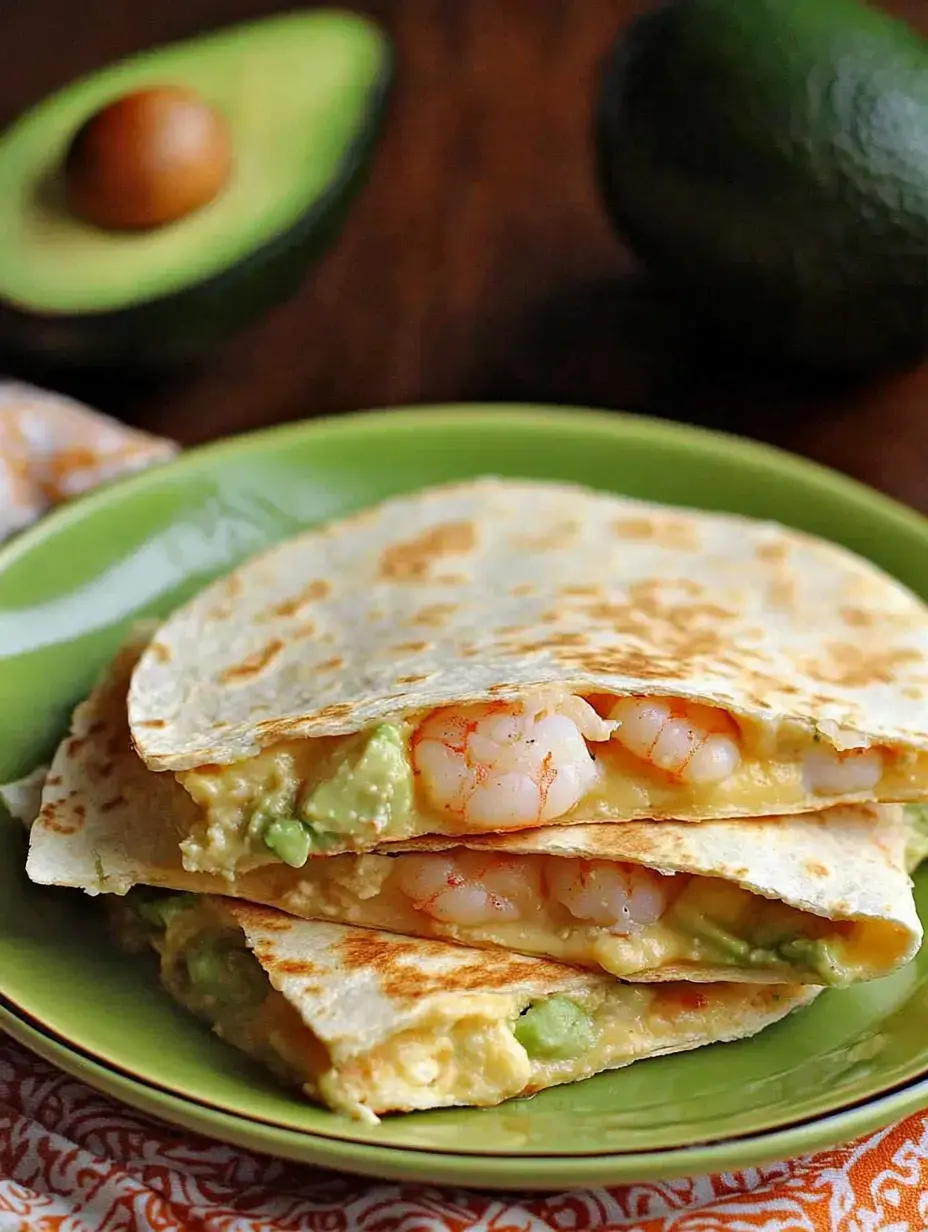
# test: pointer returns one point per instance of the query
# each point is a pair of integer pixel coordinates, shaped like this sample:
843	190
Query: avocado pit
147	159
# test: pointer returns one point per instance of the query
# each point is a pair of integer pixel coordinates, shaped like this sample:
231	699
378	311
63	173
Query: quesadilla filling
474	1047
626	919
547	758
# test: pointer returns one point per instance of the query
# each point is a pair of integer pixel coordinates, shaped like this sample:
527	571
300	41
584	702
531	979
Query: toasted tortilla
108	823
368	1022
483	590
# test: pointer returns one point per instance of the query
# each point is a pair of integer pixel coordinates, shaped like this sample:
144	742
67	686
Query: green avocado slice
302	96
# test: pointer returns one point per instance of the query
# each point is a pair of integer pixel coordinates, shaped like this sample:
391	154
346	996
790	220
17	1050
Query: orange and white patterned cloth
72	1160
52	448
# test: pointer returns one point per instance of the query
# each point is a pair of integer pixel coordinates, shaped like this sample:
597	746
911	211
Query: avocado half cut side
303	96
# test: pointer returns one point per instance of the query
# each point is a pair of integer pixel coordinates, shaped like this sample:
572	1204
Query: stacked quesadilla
502	784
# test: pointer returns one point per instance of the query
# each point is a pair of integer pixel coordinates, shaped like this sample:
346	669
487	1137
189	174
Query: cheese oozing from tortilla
473	1048
330	794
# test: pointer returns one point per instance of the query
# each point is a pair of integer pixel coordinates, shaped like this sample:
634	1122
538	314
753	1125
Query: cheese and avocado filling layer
478	1049
548	758
631	921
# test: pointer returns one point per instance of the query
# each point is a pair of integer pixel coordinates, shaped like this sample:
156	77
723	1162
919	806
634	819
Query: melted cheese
363	890
237	800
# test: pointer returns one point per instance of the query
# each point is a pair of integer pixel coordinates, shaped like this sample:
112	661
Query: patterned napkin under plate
72	1160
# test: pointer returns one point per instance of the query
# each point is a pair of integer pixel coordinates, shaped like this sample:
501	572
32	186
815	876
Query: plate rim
507	1171
542	1173
617	423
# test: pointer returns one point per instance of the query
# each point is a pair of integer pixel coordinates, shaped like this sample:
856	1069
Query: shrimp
697	744
470	887
828	772
508	765
621	897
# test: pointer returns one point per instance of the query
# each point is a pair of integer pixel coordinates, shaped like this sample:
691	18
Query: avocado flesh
768	161
302	96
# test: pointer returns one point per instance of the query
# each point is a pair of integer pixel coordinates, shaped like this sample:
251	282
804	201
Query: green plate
68	591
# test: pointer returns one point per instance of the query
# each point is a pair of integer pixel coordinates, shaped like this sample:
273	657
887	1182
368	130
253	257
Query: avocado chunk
768	161
817	955
290	839
370	787
555	1029
223	972
301	96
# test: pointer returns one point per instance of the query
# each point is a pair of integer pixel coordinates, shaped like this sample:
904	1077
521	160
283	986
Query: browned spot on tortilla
375	613
233	586
858	617
771	551
908	691
103	769
313	591
51	821
402	975
412	561
450	579
435	615
53	780
160	652
305	630
498	688
219	612
412	679
853	667
619	662
410	647
523	588
254	664
508	630
664	531
781	593
109	805
74	745
336	710
815	869
96	727
294	966
330	665
153	723
468	651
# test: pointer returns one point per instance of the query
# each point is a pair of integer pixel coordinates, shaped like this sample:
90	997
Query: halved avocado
302	96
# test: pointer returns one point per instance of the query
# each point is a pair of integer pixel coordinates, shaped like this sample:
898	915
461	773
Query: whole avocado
768	161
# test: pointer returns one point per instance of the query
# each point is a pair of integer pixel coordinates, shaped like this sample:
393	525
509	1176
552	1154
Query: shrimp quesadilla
368	1022
818	898
502	654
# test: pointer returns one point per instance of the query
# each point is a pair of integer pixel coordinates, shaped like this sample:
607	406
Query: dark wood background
478	264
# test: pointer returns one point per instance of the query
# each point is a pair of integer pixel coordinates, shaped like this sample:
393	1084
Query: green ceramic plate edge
540	1172
568	434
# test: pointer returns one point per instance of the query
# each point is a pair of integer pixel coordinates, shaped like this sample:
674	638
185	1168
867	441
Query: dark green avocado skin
179	328
767	160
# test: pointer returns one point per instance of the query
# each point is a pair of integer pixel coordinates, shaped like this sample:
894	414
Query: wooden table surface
478	264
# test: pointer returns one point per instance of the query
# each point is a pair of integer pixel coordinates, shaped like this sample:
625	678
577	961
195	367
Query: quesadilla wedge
502	654
368	1022
817	898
